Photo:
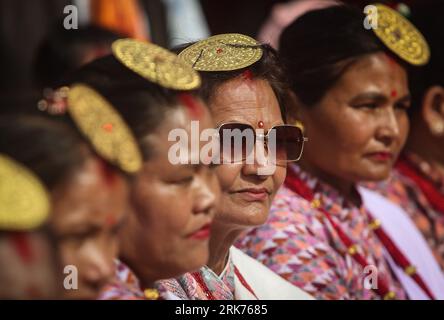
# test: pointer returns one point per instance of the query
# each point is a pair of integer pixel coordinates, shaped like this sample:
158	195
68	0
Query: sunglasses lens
289	142
236	142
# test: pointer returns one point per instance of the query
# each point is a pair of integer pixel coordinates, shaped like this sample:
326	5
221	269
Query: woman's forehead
244	99
369	74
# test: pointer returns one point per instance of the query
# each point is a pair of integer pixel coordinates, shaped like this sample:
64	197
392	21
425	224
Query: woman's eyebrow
376	96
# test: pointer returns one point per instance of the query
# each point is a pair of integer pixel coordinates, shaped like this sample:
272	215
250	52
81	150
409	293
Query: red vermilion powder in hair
191	104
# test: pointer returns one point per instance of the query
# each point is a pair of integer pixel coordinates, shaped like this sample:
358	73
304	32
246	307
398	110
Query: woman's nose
207	196
389	128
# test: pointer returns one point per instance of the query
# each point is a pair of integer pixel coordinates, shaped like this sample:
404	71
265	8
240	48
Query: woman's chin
376	175
252	219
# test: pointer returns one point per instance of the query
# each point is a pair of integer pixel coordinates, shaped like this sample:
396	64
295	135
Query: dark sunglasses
238	141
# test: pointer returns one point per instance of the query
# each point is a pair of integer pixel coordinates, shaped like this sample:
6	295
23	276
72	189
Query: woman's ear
433	110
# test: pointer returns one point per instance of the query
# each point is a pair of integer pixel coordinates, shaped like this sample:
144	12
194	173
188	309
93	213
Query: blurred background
37	48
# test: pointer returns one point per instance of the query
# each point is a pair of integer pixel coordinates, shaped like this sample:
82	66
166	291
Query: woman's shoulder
404	192
288	206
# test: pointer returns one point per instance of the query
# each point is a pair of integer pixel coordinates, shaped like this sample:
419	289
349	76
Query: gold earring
300	125
438	128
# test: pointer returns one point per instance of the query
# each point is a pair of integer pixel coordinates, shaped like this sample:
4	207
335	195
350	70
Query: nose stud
260	124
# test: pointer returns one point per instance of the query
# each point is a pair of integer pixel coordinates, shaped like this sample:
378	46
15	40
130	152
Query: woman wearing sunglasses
351	93
171	205
244	88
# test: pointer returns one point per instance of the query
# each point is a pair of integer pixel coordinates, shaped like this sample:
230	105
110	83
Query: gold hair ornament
24	201
104	127
156	64
223	52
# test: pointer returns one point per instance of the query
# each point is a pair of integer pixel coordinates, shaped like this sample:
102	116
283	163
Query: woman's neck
222	238
146	281
131	258
148	284
345	187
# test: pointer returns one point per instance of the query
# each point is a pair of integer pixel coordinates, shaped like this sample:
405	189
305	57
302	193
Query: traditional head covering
223	52
400	36
24	201
156	64
104	128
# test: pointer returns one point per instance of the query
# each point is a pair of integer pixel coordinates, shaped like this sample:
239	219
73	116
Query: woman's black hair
51	149
142	104
268	68
321	45
63	50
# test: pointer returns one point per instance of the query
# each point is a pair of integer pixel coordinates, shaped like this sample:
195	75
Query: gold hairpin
156	64
24	201
401	36
223	52
104	128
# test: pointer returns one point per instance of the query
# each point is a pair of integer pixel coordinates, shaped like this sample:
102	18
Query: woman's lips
201	234
254	194
381	156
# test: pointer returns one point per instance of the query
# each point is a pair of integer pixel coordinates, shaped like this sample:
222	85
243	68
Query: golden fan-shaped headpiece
156	64
401	36
223	52
104	128
24	201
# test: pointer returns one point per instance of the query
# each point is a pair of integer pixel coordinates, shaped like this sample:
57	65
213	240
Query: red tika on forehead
21	244
191	104
392	63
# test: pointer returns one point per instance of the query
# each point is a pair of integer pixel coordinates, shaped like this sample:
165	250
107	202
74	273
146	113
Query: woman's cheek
279	177
176	215
227	174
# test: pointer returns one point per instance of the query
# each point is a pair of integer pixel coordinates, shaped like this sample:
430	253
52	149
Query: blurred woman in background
28	259
88	200
172	203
